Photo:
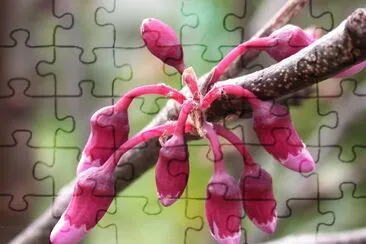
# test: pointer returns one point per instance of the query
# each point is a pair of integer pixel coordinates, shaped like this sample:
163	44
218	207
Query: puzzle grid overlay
73	58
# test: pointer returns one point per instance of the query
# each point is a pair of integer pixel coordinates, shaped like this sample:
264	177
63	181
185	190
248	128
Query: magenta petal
163	42
172	170
352	71
290	39
223	208
93	193
64	233
279	137
109	130
258	200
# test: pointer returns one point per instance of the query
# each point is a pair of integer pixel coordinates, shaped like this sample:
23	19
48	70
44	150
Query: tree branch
335	52
281	18
341	48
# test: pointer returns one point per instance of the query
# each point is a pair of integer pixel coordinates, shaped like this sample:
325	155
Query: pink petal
314	32
258	200
64	233
109	130
290	39
172	170
93	193
279	137
352	71
223	210
163	42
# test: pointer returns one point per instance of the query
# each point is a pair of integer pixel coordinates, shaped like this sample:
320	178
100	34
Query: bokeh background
62	60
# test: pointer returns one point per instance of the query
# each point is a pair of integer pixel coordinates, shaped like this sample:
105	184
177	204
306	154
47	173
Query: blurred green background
67	84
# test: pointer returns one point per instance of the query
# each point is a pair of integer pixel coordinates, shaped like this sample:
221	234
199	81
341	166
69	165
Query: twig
336	51
349	237
350	37
281	18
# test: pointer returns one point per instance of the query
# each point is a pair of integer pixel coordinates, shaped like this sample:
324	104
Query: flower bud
93	193
352	71
223	208
289	40
163	42
109	130
172	170
258	201
279	137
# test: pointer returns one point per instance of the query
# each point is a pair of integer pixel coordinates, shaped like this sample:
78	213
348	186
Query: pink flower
256	186
352	71
287	41
93	193
290	39
223	208
172	170
278	136
109	130
110	125
162	41
258	200
190	79
274	128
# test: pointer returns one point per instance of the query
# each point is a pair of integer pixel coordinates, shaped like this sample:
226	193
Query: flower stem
187	108
165	129
220	68
217	91
159	89
190	79
233	139
216	149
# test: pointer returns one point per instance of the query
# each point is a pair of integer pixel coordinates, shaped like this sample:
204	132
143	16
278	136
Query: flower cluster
108	142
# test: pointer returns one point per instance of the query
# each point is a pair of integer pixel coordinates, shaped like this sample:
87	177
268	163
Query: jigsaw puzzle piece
45	123
123	223
126	17
305	216
59	171
352	196
210	30
80	106
22	60
16	219
347	104
199	234
39	27
145	70
22	143
102	72
193	56
332	172
85	33
83	106
326	15
316	119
